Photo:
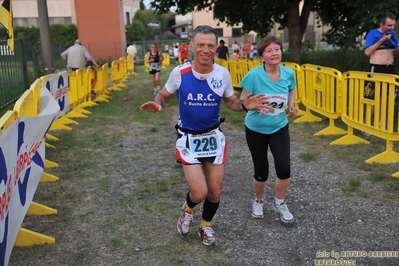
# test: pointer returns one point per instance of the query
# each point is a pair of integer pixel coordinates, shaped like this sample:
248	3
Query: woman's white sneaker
285	215
257	209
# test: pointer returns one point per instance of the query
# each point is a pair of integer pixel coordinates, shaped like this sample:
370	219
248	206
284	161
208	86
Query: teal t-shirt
256	81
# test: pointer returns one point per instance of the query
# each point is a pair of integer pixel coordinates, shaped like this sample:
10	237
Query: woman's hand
292	111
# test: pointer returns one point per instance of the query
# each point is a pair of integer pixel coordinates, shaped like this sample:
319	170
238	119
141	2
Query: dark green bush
344	59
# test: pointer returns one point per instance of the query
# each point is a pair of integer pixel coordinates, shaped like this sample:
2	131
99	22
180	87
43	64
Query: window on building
57	20
20	22
128	22
219	32
236	32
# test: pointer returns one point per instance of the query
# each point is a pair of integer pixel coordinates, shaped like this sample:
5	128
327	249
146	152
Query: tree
139	29
351	19
45	36
256	15
348	18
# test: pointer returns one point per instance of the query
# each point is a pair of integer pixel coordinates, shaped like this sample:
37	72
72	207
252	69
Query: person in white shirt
132	50
76	56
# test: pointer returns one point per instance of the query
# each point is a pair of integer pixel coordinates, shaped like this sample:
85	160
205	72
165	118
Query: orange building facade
101	27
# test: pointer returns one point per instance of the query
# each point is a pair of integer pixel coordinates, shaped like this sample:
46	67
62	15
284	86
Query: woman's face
272	54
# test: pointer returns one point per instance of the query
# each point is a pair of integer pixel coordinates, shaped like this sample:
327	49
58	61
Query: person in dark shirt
222	51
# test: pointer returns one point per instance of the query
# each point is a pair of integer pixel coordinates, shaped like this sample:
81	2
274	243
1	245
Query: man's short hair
221	41
383	17
77	41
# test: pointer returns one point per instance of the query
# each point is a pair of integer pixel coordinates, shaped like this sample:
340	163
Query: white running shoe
257	209
285	215
184	223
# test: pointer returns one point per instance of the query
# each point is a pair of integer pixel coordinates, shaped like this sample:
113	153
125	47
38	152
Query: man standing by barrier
131	50
76	56
222	51
381	44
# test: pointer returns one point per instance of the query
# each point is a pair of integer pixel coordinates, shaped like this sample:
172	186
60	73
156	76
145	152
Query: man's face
388	25
204	48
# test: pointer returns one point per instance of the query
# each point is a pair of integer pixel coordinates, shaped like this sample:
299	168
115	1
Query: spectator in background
235	46
155	58
76	56
176	52
222	51
247	50
183	50
93	81
381	45
132	50
238	54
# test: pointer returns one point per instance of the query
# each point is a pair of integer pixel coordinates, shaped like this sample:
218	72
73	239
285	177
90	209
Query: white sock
278	201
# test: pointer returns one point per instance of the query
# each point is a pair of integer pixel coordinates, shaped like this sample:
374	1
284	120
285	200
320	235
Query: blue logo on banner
3	178
61	100
22	185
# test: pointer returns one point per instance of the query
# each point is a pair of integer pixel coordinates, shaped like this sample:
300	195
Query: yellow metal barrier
238	68
166	60
7	119
221	62
102	83
130	65
370	112
257	62
123	66
27	104
86	86
117	72
146	64
299	84
75	95
322	94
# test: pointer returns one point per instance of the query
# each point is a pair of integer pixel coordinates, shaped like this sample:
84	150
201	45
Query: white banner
58	85
22	156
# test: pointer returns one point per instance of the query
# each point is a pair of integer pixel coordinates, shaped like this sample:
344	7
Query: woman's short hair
266	41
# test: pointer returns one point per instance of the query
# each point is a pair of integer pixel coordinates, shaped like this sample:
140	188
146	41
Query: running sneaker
185	221
285	215
207	235
257	209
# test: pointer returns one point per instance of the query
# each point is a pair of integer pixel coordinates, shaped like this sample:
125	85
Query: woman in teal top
269	128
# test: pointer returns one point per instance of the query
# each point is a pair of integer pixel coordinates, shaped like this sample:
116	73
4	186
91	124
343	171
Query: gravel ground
329	222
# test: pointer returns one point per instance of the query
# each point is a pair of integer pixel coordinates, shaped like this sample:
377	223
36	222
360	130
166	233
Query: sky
147	4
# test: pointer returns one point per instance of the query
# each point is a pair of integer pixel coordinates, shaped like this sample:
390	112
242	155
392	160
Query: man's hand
151	106
257	102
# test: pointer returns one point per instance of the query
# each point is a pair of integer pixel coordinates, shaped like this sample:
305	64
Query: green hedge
340	59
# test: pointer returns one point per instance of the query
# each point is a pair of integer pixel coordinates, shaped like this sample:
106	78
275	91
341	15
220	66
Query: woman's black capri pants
279	143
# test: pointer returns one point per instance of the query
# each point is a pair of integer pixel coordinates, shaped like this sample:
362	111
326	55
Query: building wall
60	11
25	12
101	27
101	23
130	7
